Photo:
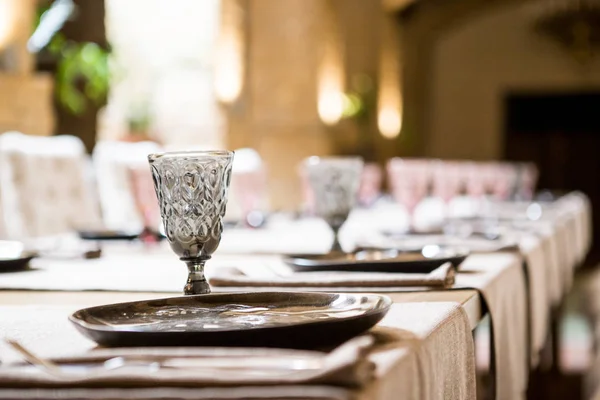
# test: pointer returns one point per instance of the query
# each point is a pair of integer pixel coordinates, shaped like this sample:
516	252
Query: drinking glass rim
187	153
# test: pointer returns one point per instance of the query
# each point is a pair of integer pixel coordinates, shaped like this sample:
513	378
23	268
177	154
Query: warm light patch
389	101
331	99
330	80
7	21
389	121
229	72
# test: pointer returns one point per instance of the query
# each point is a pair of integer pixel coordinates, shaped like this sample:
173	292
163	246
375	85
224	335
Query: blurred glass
334	182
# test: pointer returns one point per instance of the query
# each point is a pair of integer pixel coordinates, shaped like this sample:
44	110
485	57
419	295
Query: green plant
360	101
82	73
360	106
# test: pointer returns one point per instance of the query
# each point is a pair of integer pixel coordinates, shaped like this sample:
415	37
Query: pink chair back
370	184
248	189
448	179
505	179
145	196
409	180
480	179
528	177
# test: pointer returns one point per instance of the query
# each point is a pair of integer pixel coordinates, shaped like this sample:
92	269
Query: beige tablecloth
501	281
424	350
499	277
552	247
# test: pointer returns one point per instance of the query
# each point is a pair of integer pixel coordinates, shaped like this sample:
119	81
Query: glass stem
336	246
196	282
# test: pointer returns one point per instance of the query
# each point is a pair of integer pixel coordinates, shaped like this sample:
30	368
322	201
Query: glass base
196	281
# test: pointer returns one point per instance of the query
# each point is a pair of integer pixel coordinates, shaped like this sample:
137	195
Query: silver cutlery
246	364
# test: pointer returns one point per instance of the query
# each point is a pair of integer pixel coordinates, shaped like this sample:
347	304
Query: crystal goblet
334	182
192	193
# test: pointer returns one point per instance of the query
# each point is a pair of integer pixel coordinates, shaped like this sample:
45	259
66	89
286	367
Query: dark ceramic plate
410	232
108	235
260	319
422	260
18	263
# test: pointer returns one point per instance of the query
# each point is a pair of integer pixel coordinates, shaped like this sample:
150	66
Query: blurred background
468	79
471	80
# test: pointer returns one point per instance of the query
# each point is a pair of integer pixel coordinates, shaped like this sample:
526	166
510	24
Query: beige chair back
45	186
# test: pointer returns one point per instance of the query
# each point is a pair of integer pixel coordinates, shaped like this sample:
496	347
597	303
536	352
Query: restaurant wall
296	51
476	63
25	96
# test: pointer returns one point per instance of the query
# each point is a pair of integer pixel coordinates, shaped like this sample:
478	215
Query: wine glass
192	188
334	183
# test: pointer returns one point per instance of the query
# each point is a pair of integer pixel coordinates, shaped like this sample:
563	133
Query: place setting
16	256
289	318
142	342
451	234
324	200
192	189
332	183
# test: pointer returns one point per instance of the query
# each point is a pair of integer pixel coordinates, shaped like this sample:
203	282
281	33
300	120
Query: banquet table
430	351
400	358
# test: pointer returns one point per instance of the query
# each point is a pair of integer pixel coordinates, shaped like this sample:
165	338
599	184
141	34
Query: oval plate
19	263
13	256
422	260
108	235
259	319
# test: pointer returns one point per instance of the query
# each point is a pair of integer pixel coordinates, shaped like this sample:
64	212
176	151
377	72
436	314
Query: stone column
277	113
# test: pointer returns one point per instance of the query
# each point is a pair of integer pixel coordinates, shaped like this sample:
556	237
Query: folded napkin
289	392
346	366
441	277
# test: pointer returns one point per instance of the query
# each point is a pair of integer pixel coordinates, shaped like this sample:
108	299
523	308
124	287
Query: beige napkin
441	277
292	392
346	366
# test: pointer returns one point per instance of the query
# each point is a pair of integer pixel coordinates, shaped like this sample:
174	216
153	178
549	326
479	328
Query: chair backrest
448	179
370	184
248	188
113	162
45	186
144	195
528	174
410	180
